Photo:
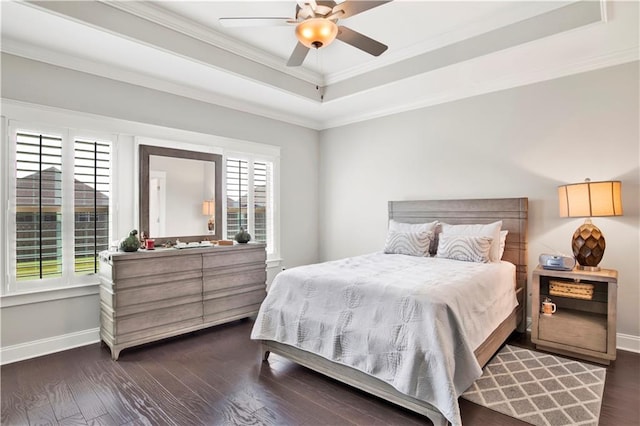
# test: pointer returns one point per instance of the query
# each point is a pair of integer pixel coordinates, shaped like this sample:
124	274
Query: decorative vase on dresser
151	295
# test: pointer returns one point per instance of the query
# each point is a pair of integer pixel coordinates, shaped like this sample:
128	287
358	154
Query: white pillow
503	242
491	230
409	239
469	248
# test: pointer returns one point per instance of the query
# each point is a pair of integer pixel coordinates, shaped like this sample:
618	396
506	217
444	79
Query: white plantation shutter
38	206
261	201
250	204
237	193
91	203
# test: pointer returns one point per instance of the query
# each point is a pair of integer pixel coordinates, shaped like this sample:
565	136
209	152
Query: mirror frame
143	196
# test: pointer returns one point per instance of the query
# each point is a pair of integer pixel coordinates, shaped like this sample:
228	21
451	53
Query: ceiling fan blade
353	7
253	22
298	55
360	41
312	3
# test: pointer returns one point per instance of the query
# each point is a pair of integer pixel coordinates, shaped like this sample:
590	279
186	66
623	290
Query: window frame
69	278
273	249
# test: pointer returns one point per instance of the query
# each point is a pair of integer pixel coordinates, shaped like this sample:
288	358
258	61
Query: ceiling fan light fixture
316	32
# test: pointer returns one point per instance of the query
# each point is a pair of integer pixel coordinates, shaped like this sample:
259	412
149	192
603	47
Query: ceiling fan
316	26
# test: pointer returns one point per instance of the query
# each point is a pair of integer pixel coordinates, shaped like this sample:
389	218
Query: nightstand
584	324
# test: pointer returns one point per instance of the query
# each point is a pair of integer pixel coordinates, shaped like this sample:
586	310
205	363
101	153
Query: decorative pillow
491	230
468	248
503	242
409	239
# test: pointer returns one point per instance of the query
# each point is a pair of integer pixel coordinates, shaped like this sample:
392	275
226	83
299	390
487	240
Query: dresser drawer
250	300
242	278
152	293
158	332
233	258
161	265
159	317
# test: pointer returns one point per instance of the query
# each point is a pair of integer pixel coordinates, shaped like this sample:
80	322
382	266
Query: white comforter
412	322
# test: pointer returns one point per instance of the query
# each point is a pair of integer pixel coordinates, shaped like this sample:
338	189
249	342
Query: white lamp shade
589	199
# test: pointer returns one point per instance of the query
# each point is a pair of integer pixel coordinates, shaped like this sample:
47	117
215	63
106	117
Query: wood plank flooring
216	377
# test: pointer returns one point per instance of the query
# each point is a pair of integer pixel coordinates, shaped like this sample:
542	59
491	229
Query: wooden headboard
512	211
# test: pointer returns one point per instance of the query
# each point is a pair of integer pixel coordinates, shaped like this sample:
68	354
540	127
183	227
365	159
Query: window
61	189
250	195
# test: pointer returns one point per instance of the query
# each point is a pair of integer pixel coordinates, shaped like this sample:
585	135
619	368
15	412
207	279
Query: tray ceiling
438	51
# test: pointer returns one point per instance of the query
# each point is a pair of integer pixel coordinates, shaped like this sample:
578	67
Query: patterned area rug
540	389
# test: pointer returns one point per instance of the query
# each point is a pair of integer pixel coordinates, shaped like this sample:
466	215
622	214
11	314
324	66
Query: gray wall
335	184
48	85
519	142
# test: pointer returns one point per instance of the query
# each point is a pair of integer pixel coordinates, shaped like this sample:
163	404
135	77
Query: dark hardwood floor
215	377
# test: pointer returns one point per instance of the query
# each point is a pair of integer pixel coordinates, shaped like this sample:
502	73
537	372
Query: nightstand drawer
574	328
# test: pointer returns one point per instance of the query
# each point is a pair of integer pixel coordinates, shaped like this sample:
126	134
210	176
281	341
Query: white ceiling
438	51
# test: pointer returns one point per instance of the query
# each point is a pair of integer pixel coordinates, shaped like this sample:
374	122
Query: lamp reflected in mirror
208	209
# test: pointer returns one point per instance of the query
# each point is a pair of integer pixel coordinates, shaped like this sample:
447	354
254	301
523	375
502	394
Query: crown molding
477	28
158	15
112	72
111	21
166	18
23	111
499	84
556	23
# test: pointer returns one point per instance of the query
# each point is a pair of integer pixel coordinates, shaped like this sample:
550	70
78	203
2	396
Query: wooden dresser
150	295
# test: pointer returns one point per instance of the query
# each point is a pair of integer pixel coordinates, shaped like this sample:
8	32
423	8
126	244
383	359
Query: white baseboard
627	342
49	345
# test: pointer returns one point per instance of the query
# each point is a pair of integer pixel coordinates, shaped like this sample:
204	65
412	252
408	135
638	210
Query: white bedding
412	322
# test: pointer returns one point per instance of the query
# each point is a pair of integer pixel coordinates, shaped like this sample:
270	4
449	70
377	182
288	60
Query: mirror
180	194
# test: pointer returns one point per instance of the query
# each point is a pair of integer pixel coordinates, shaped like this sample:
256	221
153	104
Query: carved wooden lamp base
588	246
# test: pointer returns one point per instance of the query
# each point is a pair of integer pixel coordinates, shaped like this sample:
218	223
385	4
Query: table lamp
589	199
208	209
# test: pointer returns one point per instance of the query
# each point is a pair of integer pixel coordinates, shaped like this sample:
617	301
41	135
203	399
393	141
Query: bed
421	373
